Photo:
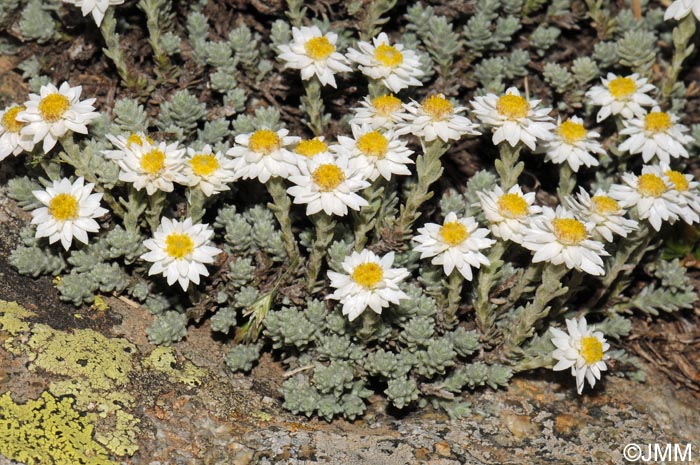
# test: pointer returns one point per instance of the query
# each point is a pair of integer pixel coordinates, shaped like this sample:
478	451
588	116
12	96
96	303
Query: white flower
508	213
263	154
70	212
374	153
652	193
383	112
124	143
454	244
208	171
621	96
688	194
657	134
370	282
395	67
309	148
98	8
328	184
179	251
571	143
679	9
559	238
603	212
514	118
314	53
12	141
582	350
53	112
155	166
436	118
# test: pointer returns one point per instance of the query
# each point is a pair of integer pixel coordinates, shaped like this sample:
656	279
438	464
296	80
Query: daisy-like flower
436	118
208	171
652	193
263	154
374	153
54	112
154	166
656	134
370	282
688	194
309	148
124	143
582	350
621	95
98	8
454	244
383	112
395	67
508	213
314	53
327	184
514	118
179	251
603	212
12	141
572	143
70	211
679	9
559	238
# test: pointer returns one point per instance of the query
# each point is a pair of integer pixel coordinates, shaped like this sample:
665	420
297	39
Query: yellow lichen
12	319
163	359
48	430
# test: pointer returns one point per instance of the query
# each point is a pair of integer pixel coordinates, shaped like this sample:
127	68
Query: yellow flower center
327	177
387	104
437	107
388	56
571	132
373	144
657	121
264	141
454	233
622	87
153	161
604	205
512	106
591	350
651	185
569	231
9	121
204	164
679	181
64	207
512	206
367	275
136	139
319	48
53	106
178	245
312	147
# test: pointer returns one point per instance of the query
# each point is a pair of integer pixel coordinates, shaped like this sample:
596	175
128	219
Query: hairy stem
507	166
366	218
325	227
683	47
281	206
454	298
312	104
483	308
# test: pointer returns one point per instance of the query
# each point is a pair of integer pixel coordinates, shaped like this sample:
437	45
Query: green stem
312	104
537	309
454	298
682	38
281	206
483	308
366	218
134	208
507	166
113	51
429	169
325	228
195	204
567	181
155	10
156	202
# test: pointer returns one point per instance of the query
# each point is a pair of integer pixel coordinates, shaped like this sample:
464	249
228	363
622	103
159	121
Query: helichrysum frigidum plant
417	211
